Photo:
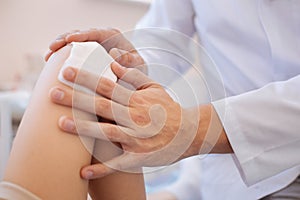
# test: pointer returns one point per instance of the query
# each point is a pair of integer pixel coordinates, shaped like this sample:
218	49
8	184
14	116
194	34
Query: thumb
133	76
126	162
126	58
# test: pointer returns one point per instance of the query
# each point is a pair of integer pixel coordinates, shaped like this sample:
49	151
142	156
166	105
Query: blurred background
28	27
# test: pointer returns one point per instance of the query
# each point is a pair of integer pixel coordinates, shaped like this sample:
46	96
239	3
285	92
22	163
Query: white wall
28	26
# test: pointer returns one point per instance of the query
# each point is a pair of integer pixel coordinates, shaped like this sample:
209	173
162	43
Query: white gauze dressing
89	56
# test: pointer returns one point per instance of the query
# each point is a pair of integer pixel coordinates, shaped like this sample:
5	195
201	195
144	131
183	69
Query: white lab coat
256	47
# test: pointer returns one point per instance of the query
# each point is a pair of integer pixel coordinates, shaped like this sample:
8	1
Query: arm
199	129
149	124
263	129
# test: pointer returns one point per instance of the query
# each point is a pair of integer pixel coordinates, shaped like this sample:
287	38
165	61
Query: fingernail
75	33
57	94
59	41
88	174
69	73
67	124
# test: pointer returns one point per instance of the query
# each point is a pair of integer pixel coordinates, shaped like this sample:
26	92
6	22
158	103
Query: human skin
47	162
152	129
209	135
118	47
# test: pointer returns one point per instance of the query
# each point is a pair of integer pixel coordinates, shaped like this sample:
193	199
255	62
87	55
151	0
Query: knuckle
129	58
105	87
101	105
82	127
82	76
137	99
111	132
135	58
135	71
140	118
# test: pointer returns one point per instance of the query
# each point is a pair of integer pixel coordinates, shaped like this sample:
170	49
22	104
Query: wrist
191	121
212	131
210	136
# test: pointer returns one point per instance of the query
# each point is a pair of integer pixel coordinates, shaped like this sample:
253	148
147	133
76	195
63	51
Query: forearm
210	136
262	126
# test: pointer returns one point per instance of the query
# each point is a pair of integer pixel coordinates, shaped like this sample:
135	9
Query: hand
119	48
152	129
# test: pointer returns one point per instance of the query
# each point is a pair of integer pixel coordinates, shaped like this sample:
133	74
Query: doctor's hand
119	48
152	129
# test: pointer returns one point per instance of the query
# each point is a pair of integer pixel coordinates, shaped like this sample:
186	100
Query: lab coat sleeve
187	186
162	38
263	129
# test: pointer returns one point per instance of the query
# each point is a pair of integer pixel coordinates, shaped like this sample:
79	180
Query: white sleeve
163	35
187	186
263	129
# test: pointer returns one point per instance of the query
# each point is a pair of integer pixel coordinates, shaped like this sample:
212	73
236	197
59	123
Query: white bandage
89	56
11	191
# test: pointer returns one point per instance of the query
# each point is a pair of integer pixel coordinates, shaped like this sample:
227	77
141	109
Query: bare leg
119	185
44	160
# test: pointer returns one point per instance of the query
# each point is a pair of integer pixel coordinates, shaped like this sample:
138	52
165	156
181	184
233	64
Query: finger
95	171
106	37
132	76
102	131
47	55
91	104
126	162
103	86
82	36
126	58
57	44
58	95
97	35
60	41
